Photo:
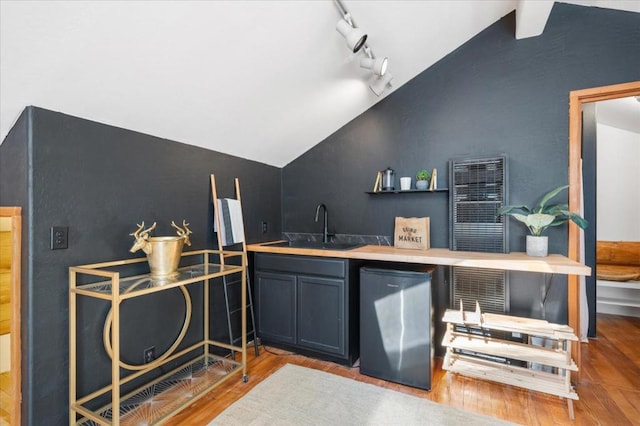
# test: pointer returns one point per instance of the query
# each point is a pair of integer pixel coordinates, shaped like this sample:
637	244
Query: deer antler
141	238
183	232
145	233
136	234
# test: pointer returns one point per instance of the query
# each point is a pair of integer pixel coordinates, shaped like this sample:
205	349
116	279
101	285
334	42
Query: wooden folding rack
473	350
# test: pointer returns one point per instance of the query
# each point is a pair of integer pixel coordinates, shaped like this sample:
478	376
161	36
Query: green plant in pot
422	179
541	217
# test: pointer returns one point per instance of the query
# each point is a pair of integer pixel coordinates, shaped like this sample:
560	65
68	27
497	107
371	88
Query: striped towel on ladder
231	225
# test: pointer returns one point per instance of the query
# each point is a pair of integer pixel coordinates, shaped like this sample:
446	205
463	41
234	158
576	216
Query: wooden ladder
227	282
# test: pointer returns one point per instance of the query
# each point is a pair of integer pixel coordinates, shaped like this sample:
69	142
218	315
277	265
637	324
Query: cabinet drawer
327	267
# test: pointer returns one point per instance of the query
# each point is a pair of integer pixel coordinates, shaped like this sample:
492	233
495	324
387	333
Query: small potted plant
538	219
422	179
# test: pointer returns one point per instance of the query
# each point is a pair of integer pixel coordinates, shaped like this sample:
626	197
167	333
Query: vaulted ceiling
262	80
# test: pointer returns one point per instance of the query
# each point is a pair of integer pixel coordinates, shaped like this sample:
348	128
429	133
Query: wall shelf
408	191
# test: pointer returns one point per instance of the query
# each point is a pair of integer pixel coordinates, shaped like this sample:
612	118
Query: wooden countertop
516	261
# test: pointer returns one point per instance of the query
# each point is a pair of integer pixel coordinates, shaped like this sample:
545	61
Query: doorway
10	272
618	198
577	99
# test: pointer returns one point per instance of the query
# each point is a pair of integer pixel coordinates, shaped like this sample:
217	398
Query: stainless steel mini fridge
395	324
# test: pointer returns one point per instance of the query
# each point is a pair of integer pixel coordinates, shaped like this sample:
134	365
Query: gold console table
155	401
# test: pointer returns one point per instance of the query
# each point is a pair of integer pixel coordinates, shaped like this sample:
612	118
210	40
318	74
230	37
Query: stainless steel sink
317	245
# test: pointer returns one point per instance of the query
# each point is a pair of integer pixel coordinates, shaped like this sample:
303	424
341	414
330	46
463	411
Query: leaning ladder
227	282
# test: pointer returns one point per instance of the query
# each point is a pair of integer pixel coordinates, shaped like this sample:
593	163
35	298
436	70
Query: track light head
380	84
377	66
354	37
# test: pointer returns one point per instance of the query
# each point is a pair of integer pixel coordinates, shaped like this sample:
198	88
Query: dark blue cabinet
276	306
308	305
321	307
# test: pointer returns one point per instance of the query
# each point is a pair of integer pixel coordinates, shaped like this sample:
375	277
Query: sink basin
317	245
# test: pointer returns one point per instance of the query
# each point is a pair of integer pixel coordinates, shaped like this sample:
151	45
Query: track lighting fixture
377	66
380	84
357	41
354	37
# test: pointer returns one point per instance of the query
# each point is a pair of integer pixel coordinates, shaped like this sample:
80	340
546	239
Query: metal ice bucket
164	257
163	253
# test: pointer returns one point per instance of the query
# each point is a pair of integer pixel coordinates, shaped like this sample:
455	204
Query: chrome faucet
325	232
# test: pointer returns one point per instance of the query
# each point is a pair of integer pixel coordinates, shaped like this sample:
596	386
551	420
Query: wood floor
609	388
6	401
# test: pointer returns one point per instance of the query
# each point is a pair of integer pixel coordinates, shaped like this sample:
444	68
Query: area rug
296	395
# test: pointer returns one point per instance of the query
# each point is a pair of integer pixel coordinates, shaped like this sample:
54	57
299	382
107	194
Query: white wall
618	168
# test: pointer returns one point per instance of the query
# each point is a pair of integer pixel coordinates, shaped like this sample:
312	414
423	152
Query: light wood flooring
609	388
5	398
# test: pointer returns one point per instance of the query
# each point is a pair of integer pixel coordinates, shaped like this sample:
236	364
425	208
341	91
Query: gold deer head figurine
142	238
163	253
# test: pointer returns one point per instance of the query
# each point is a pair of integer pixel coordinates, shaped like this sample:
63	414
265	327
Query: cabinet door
276	306
321	310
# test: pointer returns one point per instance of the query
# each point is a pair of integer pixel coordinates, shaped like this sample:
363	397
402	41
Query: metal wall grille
487	286
478	190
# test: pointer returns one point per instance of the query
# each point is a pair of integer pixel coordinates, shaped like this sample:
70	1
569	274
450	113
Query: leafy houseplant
542	216
422	179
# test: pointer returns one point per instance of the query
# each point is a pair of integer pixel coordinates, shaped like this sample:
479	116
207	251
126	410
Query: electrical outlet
149	354
59	237
264	227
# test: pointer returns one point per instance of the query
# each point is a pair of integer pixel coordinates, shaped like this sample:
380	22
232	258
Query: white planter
405	183
537	246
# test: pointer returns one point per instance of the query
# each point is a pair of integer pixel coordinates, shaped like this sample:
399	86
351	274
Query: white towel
231	225
237	226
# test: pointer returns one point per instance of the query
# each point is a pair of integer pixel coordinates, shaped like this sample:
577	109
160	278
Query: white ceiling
623	113
262	80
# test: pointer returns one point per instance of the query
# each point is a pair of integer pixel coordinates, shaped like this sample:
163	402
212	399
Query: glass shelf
161	398
143	284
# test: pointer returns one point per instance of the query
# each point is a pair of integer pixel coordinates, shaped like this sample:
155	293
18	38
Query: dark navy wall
100	181
493	95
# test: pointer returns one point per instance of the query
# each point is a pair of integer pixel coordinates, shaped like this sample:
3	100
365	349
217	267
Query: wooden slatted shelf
475	350
510	375
505	349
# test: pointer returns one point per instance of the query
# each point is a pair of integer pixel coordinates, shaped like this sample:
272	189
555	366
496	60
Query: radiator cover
487	286
478	190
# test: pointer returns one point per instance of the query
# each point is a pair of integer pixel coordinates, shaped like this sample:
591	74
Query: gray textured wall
493	95
100	181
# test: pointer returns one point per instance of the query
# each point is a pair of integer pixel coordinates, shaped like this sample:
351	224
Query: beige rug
296	395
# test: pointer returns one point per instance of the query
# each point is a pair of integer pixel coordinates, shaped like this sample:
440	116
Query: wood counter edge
515	261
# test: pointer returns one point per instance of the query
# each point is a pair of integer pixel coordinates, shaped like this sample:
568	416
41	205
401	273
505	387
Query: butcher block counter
515	261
